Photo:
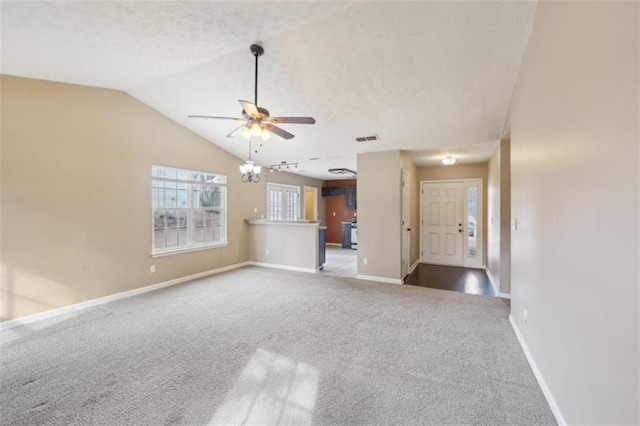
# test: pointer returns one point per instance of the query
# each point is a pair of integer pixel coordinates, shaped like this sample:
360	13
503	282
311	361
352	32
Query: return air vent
368	138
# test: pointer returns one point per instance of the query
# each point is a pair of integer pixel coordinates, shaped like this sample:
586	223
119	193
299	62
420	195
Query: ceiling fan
258	122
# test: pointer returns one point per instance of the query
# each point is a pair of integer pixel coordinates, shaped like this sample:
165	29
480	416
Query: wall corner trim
285	267
17	322
414	266
379	279
555	409
492	281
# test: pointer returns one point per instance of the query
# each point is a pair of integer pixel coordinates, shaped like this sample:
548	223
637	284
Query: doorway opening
310	203
406	223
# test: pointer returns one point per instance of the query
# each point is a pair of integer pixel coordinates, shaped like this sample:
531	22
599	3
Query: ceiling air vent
367	138
343	171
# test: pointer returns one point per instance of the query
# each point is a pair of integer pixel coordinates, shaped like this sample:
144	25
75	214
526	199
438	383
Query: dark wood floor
465	280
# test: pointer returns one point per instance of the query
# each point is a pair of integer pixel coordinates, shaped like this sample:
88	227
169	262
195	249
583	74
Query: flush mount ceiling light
448	160
343	171
258	122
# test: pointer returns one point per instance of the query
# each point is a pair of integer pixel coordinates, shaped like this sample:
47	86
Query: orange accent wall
336	204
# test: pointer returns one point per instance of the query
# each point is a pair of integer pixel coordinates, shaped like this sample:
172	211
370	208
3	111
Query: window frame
290	188
223	242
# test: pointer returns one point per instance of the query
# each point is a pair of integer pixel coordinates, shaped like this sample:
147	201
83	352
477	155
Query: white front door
442	222
406	224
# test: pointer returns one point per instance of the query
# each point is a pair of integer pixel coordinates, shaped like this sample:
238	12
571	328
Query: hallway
464	280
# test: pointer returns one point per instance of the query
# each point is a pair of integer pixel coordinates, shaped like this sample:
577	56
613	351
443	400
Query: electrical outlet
514	224
334	213
266	252
524	316
365	261
152	269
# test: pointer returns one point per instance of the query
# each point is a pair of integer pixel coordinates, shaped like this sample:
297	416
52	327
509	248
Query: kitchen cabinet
330	191
348	192
346	235
350	202
322	239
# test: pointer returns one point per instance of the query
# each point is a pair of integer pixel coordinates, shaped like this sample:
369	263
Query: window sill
187	250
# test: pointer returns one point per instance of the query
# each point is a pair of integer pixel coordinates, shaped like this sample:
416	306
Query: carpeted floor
260	346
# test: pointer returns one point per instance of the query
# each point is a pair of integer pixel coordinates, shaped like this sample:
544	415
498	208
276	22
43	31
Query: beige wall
575	193
75	178
285	244
498	217
505	216
379	214
462	171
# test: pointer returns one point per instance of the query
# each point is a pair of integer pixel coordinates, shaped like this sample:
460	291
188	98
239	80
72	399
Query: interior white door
406	224
443	225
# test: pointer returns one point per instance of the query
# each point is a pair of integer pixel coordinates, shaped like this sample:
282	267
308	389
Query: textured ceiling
428	77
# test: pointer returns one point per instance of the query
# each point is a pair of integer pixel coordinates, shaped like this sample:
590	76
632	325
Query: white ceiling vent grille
367	138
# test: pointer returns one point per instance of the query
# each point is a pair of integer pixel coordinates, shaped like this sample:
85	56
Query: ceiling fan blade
213	116
249	108
278	131
292	120
237	131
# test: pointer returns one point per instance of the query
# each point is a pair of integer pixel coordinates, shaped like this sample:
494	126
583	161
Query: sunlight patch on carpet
271	389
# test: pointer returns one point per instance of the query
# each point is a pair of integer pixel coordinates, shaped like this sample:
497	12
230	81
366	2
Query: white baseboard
536	372
495	287
285	267
379	279
414	266
101	300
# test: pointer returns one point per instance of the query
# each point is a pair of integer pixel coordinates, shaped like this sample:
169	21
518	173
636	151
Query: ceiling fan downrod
257	51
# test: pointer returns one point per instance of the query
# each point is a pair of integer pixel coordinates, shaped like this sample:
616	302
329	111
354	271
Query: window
472	218
283	202
189	209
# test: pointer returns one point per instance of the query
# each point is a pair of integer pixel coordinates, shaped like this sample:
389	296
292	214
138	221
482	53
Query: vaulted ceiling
430	77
